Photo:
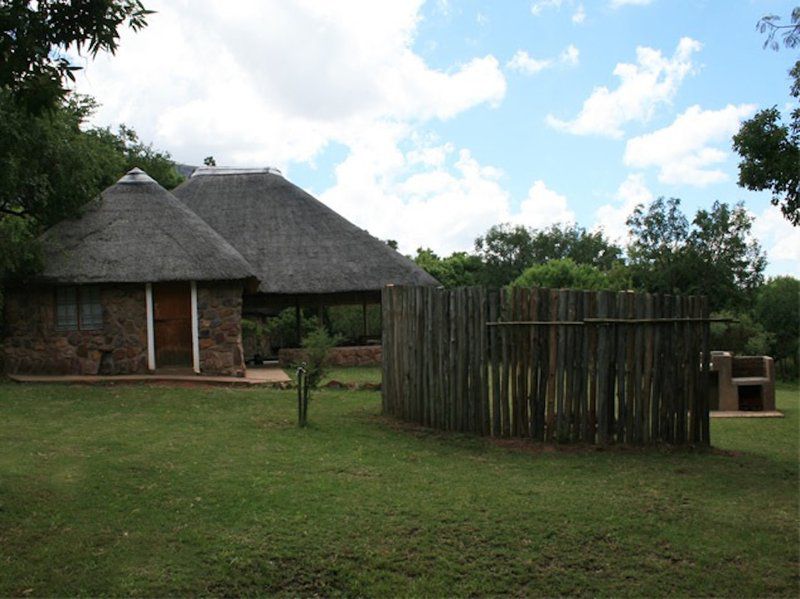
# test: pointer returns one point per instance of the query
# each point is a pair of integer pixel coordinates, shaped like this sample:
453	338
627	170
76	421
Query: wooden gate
172	320
550	365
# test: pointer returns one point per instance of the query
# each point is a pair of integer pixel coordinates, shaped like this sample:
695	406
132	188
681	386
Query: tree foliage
770	149
715	256
770	24
744	335
565	273
36	36
778	310
507	250
457	270
53	165
770	152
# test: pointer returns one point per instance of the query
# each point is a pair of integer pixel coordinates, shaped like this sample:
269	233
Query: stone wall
32	344
358	355
219	308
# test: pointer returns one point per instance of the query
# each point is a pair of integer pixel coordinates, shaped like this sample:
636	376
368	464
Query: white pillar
151	346
195	331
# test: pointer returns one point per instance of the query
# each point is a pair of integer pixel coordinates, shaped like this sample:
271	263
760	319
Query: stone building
143	281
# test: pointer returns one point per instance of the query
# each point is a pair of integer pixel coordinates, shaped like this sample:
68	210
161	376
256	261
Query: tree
716	256
722	238
565	273
53	165
558	242
209	161
457	270
35	38
770	150
791	33
778	311
508	250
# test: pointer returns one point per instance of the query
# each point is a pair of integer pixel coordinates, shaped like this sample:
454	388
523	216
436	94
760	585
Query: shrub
745	337
347	322
564	274
317	344
282	329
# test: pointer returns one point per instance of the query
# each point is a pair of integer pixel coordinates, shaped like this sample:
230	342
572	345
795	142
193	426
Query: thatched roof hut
295	243
136	231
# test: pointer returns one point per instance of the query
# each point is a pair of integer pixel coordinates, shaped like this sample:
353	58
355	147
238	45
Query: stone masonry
32	345
358	355
219	308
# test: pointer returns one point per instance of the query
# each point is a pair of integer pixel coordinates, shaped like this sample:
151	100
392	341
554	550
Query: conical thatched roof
136	231
296	244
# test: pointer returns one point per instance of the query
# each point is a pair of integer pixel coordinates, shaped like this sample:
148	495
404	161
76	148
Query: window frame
85	296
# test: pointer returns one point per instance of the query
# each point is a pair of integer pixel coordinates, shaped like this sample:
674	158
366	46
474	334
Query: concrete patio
267	375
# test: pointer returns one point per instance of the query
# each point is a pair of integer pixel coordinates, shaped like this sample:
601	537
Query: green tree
507	250
459	269
769	24
770	149
564	273
778	311
53	165
715	256
744	336
135	153
35	37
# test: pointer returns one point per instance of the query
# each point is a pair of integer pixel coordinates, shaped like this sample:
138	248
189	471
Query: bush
317	344
564	274
347	322
745	337
282	329
778	310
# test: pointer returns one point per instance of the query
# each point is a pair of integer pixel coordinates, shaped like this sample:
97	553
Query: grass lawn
147	490
354	374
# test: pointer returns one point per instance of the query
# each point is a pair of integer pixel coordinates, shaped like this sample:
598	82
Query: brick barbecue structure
147	281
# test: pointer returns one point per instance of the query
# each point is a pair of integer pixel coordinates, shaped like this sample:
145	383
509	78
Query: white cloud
228	79
579	16
620	3
687	151
570	56
538	6
443	203
431	195
543	207
780	239
610	218
524	63
643	87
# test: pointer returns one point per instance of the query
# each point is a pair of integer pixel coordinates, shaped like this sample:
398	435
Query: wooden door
172	320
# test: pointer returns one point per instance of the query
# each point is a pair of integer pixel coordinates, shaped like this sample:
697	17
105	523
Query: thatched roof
136	231
296	244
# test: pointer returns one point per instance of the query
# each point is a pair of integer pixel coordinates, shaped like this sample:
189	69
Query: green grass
354	374
141	490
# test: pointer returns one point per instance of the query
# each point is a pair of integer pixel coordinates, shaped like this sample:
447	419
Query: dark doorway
172	320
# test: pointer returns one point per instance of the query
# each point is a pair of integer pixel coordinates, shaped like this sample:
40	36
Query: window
78	308
91	309
67	308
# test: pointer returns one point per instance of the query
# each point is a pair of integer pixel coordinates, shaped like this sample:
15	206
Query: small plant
317	344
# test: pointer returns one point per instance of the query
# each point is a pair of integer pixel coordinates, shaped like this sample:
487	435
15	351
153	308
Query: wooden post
297	317
365	320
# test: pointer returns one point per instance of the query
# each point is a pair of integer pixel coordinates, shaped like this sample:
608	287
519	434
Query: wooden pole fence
568	366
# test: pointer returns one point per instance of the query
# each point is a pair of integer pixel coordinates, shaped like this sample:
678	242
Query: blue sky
428	122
